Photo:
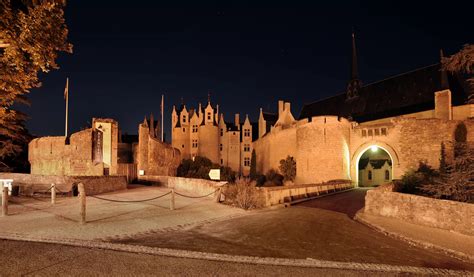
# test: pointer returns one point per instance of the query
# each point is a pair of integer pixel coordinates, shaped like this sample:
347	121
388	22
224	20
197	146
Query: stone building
204	132
408	117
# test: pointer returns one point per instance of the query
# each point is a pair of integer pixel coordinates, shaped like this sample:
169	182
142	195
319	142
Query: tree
462	62
32	34
288	168
442	160
253	166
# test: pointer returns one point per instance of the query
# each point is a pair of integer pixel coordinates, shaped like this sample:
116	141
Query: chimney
237	120
287	106
280	106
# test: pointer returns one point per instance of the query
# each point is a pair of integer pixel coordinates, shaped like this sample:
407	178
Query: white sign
141	172
215	174
6	183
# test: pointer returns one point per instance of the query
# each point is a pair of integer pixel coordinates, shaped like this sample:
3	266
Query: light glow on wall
374	148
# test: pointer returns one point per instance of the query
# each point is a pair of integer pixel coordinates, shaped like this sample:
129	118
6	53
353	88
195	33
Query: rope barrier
130	201
188	196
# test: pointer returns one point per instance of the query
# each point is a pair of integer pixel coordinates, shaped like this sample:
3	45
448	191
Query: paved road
320	229
39	259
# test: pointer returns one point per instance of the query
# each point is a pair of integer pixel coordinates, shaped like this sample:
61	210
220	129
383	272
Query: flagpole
66	95
162	116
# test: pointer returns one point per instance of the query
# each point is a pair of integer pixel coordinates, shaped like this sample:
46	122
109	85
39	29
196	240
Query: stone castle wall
443	214
208	142
155	157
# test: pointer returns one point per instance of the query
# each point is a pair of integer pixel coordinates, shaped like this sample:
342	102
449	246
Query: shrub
288	168
200	167
273	178
227	174
243	194
253	166
260	180
410	182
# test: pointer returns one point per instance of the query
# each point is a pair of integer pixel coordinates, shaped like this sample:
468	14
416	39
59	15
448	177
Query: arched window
369	175
387	175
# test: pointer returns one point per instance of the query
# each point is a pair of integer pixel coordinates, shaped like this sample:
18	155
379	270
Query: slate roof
376	164
409	92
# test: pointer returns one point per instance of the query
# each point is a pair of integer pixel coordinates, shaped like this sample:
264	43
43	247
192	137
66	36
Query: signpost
215	174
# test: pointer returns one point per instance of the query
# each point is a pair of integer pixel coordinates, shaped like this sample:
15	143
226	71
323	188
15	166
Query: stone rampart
191	186
443	214
30	183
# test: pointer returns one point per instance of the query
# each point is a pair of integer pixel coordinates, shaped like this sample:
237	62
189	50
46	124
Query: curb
453	253
308	263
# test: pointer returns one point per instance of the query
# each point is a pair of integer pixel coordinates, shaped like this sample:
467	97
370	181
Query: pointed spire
354	84
209	97
145	122
354	71
444	76
152	127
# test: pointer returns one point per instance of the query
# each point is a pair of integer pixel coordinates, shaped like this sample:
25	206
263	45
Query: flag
66	89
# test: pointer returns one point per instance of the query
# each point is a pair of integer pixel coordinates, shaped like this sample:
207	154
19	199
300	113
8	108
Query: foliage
413	180
260	180
458	183
243	194
34	32
200	167
462	62
288	168
253	166
273	178
442	160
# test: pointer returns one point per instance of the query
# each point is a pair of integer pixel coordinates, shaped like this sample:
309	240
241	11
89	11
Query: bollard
82	199
53	194
5	201
218	197
172	200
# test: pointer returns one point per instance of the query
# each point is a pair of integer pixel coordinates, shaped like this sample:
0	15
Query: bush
260	180
288	168
273	178
200	167
243	194
410	182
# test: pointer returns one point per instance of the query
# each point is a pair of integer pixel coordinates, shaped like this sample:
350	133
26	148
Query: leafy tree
32	34
462	62
288	168
253	166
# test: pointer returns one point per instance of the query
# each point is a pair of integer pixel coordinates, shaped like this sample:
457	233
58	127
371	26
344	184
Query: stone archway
355	157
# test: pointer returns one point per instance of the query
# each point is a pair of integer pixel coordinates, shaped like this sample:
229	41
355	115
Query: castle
368	134
204	132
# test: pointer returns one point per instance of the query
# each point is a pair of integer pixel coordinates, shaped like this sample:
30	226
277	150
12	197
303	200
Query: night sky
128	53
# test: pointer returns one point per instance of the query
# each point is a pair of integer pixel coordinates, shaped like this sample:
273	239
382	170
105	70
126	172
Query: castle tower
208	142
246	148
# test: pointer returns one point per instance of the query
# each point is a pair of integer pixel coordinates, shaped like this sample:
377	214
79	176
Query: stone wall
155	157
30	183
443	214
191	186
278	195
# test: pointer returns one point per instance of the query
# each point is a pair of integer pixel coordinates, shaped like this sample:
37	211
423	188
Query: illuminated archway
359	152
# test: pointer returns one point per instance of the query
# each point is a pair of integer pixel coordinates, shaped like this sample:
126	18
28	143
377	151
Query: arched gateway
369	159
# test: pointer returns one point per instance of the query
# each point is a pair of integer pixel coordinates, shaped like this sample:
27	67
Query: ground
319	230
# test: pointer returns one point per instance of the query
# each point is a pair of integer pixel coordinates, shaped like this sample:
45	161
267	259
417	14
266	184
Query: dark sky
127	53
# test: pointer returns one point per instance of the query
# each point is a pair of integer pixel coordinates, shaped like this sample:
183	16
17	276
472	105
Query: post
218	197
82	199
5	201
172	200
53	194
66	96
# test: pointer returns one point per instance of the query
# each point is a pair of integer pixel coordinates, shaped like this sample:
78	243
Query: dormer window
246	132
184	118
208	116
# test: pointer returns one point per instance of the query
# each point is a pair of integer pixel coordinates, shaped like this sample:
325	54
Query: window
387	175
222	161
195	128
364	133
377	132
184	130
195	143
370	133
246	147
184	118
246	161
384	131
182	146
220	147
370	175
222	132
246	132
208	116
